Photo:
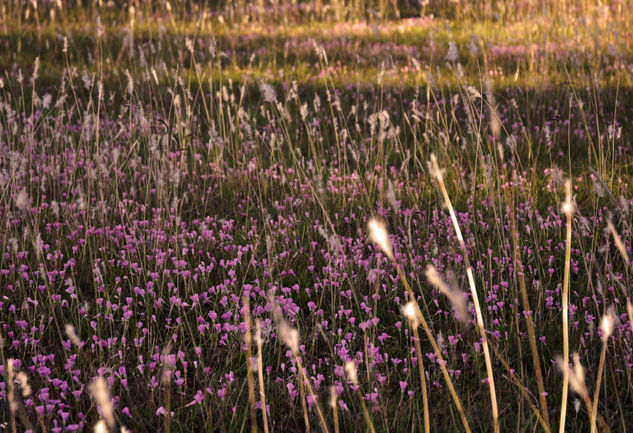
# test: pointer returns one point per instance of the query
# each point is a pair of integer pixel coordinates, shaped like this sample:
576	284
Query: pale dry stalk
249	364
568	210
260	372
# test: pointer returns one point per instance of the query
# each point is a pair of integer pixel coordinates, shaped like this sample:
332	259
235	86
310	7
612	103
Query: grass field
358	215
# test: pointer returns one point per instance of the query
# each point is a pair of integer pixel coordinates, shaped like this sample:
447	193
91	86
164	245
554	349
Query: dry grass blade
568	210
607	325
333	405
352	374
249	363
618	243
454	296
260	373
290	336
411	315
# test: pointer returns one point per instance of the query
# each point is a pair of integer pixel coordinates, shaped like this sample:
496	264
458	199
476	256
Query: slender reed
607	328
410	314
333	405
249	363
304	406
568	210
352	374
290	337
260	373
11	394
437	173
312	394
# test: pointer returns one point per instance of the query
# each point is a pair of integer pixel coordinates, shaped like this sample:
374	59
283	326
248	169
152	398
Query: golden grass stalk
378	231
352	374
522	388
437	173
312	394
260	373
334	407
11	394
166	383
290	336
568	210
414	322
304	404
249	363
618	242
291	339
100	427
607	328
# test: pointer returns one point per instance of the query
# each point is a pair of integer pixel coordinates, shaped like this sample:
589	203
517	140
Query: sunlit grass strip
437	173
304	378
378	235
568	210
522	388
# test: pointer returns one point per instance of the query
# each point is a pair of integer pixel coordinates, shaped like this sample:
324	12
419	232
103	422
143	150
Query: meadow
328	216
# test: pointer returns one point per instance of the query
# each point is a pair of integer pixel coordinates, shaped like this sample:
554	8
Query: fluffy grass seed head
352	372
101	394
24	383
410	313
72	335
568	206
454	296
290	336
378	235
100	427
608	324
576	374
333	397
